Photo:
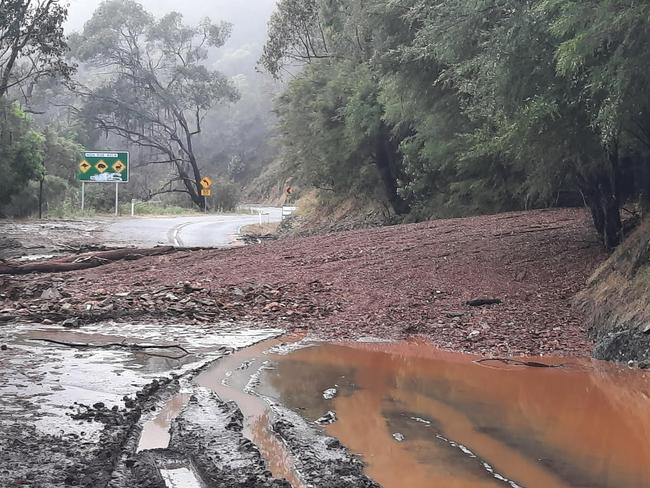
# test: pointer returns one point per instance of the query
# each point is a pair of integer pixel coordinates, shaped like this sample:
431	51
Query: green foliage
21	151
491	106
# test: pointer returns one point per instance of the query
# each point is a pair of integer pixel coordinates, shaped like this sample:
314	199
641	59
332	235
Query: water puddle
155	433
233	379
422	418
180	478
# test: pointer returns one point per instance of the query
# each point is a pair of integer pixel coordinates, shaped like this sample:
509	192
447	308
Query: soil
408	281
617	304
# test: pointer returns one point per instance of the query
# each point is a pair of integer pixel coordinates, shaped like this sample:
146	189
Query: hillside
617	301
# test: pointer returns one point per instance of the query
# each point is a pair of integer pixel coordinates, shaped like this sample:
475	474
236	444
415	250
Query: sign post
117	199
103	167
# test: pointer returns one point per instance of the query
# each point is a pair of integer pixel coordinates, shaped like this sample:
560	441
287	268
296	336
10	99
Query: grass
149	208
257	229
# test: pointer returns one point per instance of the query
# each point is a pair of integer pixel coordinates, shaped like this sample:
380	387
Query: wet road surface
212	230
417	416
423	418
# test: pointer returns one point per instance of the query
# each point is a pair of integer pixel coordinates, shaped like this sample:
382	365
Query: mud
209	432
420	417
229	432
72	417
321	460
43	238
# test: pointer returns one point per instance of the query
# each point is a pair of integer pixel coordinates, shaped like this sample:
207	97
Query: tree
158	90
32	44
482	105
331	39
21	151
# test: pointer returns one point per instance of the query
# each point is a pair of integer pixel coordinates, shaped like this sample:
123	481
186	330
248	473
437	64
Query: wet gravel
522	269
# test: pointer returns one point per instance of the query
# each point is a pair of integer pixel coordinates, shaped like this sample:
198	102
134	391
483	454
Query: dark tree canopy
462	107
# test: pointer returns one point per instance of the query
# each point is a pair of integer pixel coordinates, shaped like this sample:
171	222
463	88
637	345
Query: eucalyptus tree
331	117
150	84
32	43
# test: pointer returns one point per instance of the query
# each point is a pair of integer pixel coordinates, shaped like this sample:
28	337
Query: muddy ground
73	404
500	284
392	282
45	238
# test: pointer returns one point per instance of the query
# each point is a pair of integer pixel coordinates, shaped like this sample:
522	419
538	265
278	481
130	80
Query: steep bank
616	301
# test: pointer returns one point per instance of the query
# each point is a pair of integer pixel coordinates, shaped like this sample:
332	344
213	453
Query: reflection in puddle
470	425
155	434
180	478
231	378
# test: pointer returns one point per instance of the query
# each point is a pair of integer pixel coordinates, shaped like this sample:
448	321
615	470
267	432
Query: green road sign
104	167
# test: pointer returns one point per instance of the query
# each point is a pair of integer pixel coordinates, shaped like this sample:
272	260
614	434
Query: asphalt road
215	230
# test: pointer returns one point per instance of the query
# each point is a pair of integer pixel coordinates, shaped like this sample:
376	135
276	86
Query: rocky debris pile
63	302
499	284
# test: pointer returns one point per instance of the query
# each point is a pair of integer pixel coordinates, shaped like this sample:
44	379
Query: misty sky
249	19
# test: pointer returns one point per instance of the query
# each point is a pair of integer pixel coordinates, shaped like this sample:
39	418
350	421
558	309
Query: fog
249	19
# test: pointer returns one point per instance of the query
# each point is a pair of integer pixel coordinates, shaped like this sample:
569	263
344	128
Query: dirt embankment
616	301
390	282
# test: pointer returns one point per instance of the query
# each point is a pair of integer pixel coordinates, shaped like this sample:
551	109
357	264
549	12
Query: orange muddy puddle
228	378
586	424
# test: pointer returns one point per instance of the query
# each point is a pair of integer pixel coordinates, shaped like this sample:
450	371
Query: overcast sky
249	19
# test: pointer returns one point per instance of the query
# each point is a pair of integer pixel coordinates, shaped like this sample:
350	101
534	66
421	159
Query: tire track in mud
229	436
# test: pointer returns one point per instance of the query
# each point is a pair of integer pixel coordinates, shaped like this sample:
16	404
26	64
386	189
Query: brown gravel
391	282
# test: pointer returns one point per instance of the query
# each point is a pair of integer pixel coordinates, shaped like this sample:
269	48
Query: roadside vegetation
170	91
466	107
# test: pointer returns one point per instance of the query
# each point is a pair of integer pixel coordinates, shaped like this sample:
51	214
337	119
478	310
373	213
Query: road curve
211	230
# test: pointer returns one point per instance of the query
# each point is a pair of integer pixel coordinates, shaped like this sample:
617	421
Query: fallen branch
530	364
123	345
86	261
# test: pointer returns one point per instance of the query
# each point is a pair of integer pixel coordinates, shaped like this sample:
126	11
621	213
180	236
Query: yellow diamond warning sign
118	167
101	166
104	167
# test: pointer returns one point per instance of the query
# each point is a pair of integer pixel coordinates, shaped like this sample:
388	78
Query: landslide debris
390	282
73	303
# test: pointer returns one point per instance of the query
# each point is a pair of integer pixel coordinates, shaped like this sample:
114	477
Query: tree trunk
604	206
385	155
